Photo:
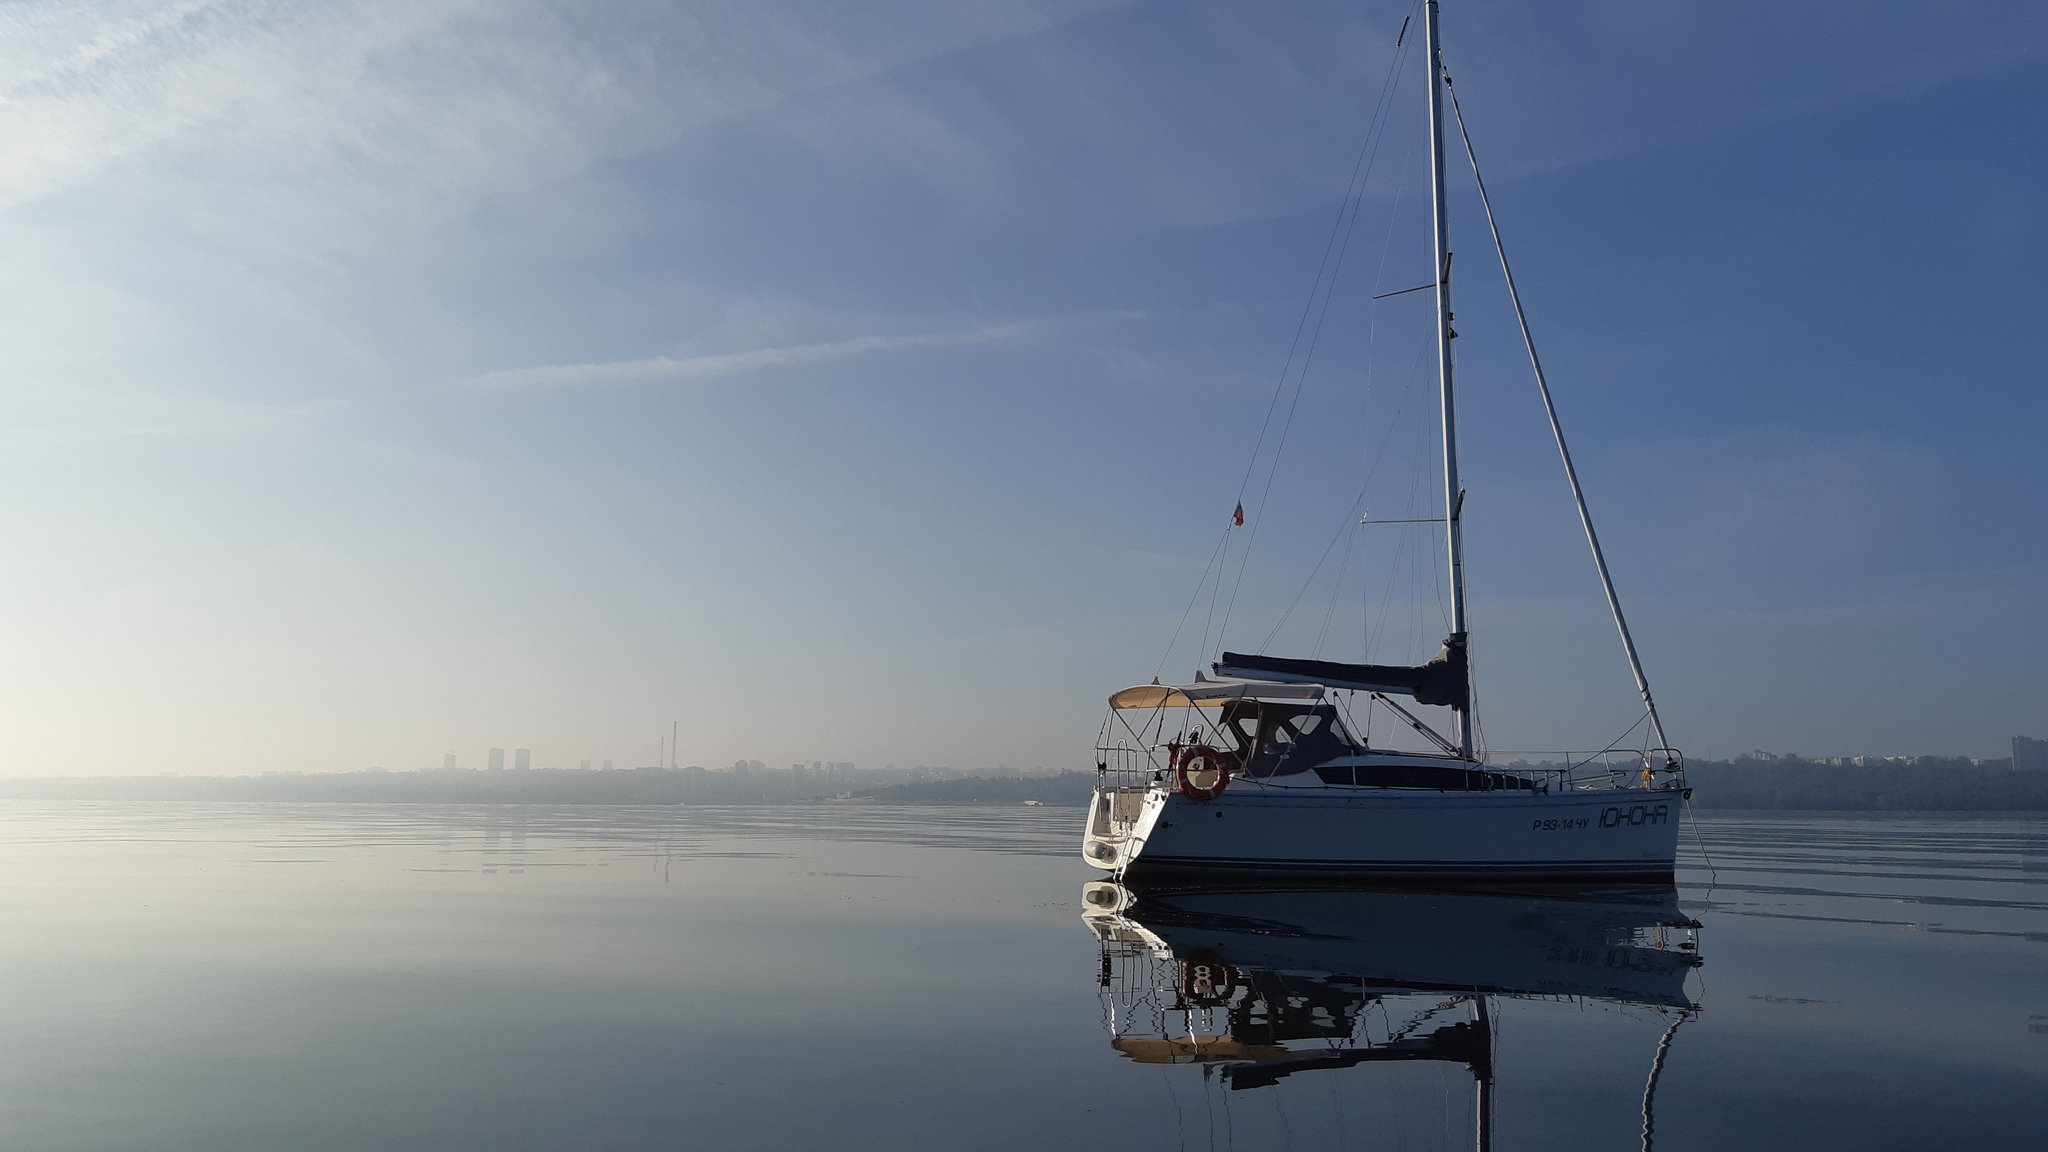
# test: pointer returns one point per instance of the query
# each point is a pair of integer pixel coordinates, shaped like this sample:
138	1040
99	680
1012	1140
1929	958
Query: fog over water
229	977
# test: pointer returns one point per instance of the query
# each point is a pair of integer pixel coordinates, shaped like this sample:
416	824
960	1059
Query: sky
873	381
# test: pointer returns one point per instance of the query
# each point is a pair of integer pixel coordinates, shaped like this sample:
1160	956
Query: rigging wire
1569	767
1347	219
1192	600
1628	643
1209	621
1351	516
1180	1120
1347	208
1336	591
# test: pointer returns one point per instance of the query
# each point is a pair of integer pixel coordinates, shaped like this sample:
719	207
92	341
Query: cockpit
1275	739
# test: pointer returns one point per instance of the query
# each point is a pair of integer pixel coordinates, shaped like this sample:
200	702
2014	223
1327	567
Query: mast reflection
1257	985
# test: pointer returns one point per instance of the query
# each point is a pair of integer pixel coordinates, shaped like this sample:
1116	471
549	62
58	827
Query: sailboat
1255	772
1259	985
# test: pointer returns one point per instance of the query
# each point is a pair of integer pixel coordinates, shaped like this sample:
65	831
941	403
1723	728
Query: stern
1119	820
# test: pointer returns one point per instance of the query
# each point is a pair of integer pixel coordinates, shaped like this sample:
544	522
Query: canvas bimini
1259	772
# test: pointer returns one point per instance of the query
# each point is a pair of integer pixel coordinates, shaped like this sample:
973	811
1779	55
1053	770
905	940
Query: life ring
1206	980
1194	763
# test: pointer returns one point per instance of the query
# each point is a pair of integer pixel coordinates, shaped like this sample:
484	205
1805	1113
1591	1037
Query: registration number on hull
1617	816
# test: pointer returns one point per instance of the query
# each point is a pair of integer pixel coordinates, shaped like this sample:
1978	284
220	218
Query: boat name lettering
1635	815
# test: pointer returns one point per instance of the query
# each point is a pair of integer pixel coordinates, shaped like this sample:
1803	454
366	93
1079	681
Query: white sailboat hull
1391	832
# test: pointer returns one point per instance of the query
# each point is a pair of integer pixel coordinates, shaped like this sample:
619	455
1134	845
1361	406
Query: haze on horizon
869	382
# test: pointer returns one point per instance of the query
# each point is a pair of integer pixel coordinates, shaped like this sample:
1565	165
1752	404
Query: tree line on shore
1924	784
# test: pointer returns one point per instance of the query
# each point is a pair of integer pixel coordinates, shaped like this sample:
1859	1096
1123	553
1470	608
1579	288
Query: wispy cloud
312	128
620	372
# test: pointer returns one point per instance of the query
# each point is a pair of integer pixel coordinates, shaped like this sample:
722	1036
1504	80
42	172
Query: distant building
2028	752
797	772
523	759
739	767
448	762
497	762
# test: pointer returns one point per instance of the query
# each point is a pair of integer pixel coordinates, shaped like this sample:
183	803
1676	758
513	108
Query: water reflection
1256	985
242	978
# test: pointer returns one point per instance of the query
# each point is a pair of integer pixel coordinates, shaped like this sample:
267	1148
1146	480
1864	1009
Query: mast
1482	1105
1454	493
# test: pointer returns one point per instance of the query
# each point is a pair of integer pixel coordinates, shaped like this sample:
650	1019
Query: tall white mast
1454	493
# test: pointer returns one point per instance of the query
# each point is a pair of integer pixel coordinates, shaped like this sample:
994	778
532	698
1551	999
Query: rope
1713	875
1656	1070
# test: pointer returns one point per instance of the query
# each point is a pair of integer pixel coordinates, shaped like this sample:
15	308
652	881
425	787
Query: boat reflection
1257	985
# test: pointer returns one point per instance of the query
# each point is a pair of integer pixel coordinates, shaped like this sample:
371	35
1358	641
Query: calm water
264	977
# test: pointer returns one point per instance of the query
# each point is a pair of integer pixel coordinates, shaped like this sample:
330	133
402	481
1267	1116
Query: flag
1237	517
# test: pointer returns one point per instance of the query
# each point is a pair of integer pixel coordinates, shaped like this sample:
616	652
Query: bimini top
1209	694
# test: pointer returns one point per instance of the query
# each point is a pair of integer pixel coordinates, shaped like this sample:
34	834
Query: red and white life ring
1201	772
1207	981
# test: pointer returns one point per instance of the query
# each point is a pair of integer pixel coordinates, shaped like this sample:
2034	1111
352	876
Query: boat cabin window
1275	739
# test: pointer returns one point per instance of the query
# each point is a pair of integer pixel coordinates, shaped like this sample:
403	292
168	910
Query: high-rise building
2028	752
522	759
497	761
739	767
448	762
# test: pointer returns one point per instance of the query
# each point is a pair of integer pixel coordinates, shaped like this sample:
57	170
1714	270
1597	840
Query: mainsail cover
1446	679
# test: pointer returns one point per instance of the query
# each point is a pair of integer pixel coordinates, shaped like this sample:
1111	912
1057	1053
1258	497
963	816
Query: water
229	977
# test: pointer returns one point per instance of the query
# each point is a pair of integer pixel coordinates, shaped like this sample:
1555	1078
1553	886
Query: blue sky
871	381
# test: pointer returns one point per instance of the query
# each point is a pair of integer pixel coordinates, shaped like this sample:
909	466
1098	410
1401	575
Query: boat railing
1126	765
1654	769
